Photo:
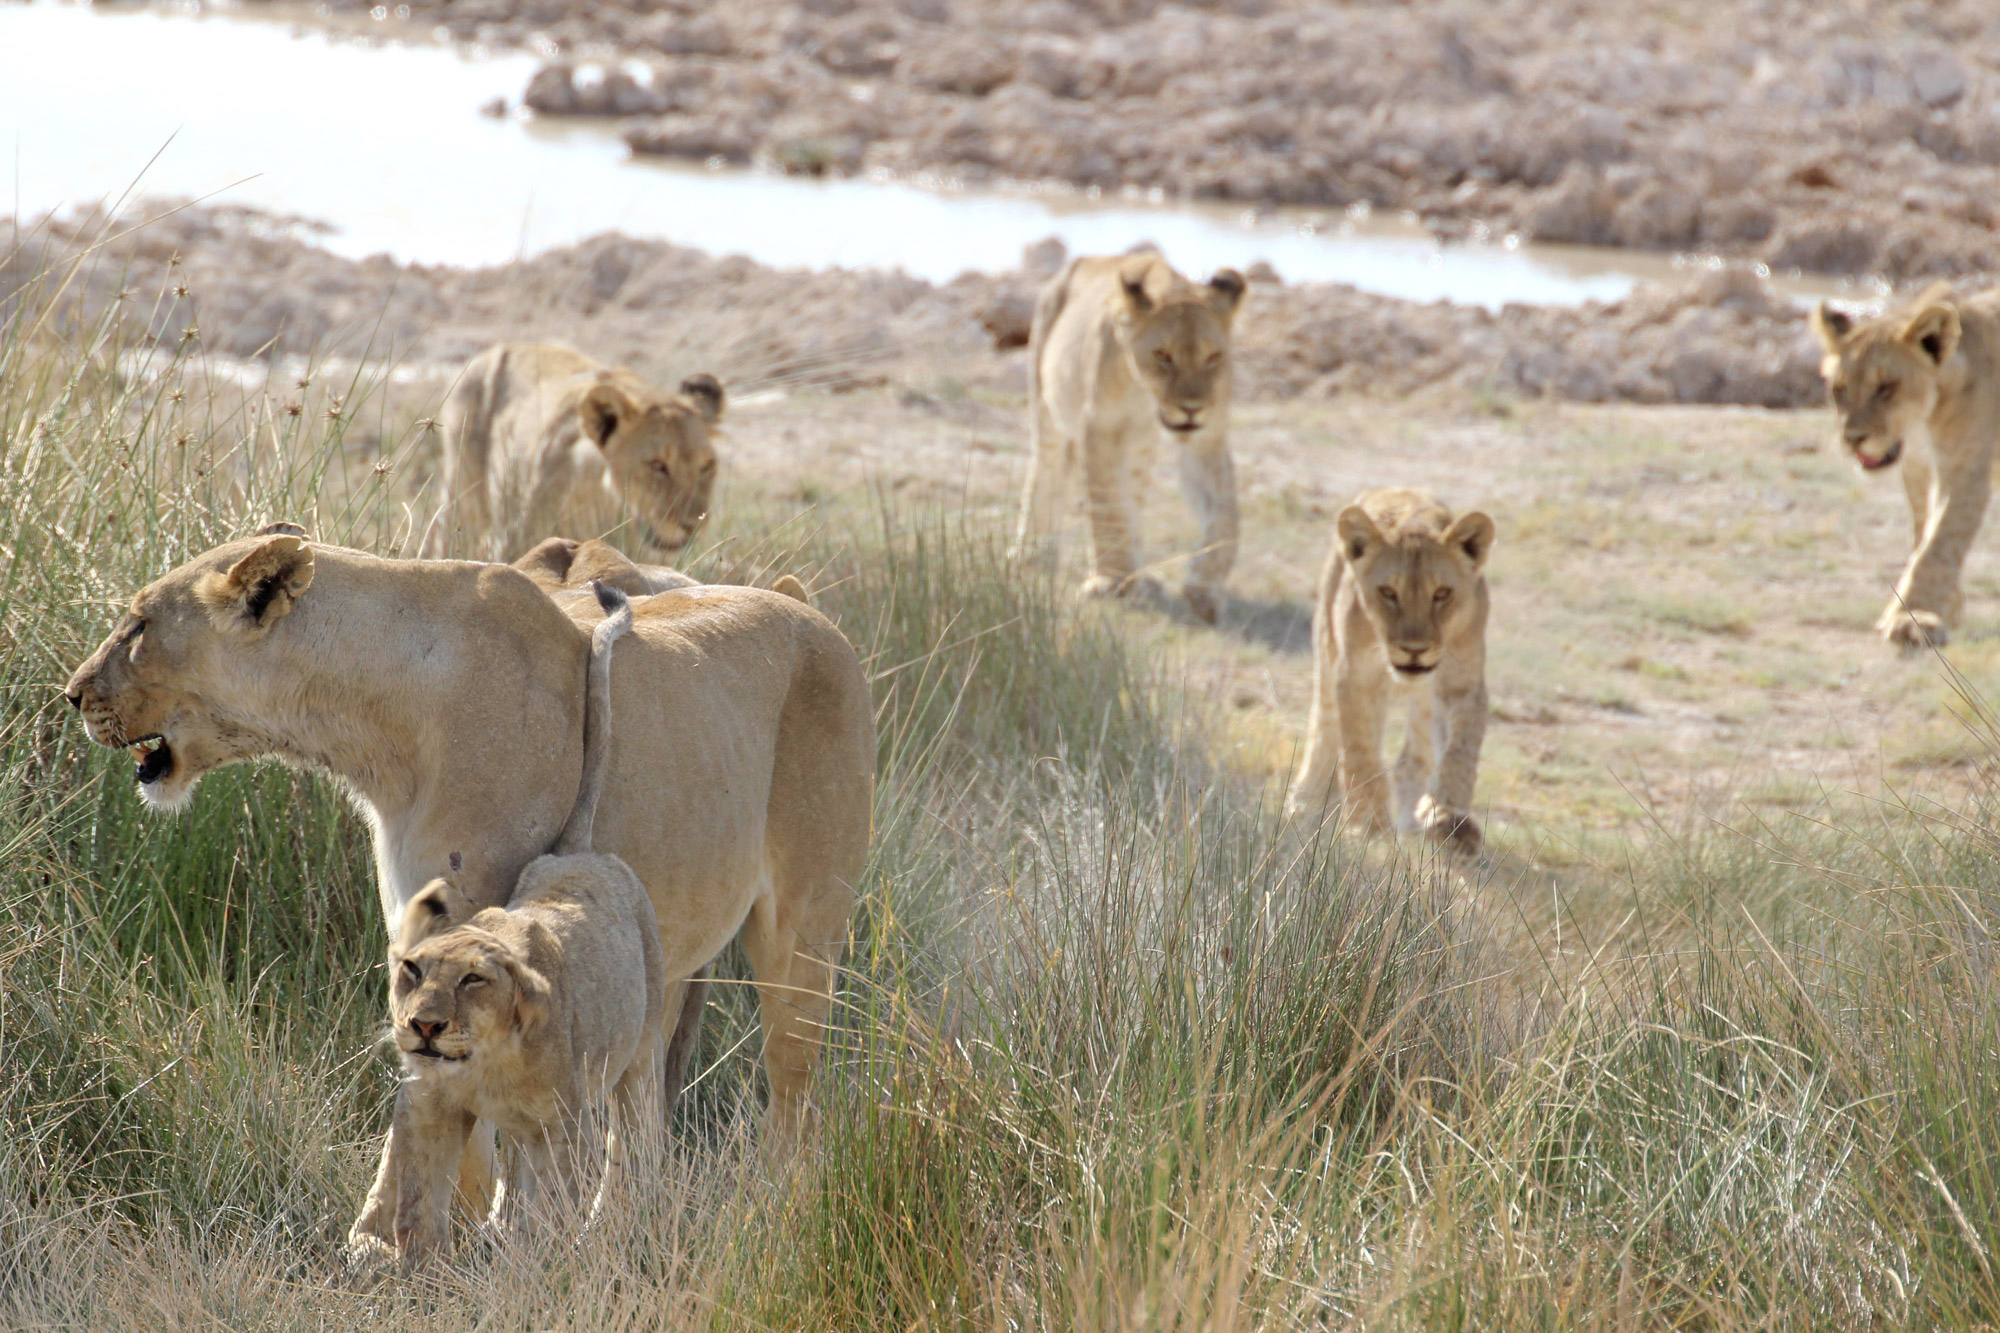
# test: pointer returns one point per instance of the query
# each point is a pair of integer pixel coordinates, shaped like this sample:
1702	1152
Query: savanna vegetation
1116	1047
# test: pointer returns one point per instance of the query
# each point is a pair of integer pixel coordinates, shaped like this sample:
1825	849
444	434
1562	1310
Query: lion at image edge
1920	388
1400	616
448	703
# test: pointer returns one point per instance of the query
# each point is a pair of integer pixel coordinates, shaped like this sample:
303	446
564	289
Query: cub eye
411	973
708	467
1214	361
1164	357
471	979
1387	594
1441	596
1886	392
662	469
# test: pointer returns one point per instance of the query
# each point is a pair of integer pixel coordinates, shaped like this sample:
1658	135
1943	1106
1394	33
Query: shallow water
383	142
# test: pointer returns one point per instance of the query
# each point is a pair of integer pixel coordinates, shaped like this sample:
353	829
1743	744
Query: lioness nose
73	693
427	1031
1853	436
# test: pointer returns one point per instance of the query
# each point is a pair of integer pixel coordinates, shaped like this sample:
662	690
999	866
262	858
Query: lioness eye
1387	593
1164	357
662	469
472	979
1215	361
1886	392
1441	596
708	468
412	973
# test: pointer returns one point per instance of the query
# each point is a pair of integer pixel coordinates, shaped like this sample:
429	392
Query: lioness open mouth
430	1052
1876	464
1415	668
155	758
1181	427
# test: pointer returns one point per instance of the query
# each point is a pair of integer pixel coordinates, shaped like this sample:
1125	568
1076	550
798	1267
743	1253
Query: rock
1937	76
1262	272
1044	259
1657	216
861	44
1008	317
1827	247
956	63
1578	211
692	137
552	91
701	35
1736	220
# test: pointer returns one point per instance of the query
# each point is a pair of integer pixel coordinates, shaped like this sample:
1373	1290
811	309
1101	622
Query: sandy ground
1855	138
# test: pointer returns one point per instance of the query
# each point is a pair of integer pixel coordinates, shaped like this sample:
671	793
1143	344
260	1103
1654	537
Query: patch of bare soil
250	285
1852	139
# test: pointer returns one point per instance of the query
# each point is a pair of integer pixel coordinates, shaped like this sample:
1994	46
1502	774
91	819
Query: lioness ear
1227	289
280	527
1132	281
1830	326
259	589
549	562
601	411
1934	330
705	392
427	914
1358	533
1472	534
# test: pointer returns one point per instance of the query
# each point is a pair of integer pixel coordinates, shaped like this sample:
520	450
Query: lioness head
1415	586
456	990
660	462
1883	373
1178	337
161	684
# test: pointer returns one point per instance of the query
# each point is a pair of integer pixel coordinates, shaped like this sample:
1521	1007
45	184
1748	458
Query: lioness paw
1459	832
1914	630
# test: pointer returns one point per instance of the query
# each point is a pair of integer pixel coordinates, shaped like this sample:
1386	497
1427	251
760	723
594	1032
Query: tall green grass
1116	1049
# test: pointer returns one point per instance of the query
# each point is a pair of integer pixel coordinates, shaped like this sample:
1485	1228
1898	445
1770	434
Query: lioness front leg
1929	600
1208	481
1445	814
1114	520
1364	784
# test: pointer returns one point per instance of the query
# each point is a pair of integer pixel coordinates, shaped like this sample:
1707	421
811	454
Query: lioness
561	565
446	697
1401	607
541	439
1122	351
1923	386
525	1015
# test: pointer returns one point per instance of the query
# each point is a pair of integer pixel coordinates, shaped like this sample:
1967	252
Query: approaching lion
1122	351
541	439
447	698
1923	386
525	1015
1401	609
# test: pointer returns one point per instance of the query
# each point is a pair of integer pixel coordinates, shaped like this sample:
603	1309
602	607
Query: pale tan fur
1401	611
1923	386
1124	351
563	565
447	698
539	439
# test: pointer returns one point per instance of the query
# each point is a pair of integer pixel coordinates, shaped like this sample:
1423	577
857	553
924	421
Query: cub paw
1459	832
1203	602
1914	630
1142	588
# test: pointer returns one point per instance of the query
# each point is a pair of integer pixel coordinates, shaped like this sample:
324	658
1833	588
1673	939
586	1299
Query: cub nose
427	1031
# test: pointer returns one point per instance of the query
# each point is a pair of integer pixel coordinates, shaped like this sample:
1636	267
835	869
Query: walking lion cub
1401	611
526	1015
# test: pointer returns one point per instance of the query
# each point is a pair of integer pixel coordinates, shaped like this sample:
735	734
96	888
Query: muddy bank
1821	138
245	284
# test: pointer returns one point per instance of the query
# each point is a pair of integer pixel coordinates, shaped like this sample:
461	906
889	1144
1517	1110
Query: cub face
1882	374
155	684
455	991
1415	589
660	462
1179	340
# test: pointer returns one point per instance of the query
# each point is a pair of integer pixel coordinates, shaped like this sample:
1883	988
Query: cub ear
705	392
1227	287
280	527
429	913
549	562
261	588
1933	329
603	409
1472	534
1358	533
531	988
1830	326
792	587
1132	281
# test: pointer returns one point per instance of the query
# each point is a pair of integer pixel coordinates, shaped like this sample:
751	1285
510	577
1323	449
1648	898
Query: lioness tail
576	833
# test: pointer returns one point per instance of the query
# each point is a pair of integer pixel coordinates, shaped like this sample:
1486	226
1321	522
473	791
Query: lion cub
526	1015
1401	610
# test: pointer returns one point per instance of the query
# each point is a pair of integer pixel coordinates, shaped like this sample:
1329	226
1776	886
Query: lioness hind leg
795	982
